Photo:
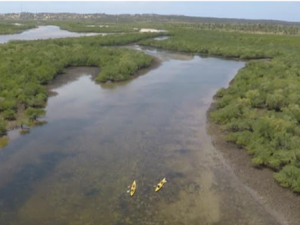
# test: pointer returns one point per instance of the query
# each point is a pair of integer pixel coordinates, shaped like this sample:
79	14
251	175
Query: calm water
42	32
99	138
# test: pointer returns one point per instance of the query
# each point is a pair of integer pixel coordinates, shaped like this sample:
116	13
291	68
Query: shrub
8	114
2	127
34	113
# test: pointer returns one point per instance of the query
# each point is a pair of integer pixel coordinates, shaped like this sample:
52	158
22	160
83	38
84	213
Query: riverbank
71	74
283	204
7	28
116	65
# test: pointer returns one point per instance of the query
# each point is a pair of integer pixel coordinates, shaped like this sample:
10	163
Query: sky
288	11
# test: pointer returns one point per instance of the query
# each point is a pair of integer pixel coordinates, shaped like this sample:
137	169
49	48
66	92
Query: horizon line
119	14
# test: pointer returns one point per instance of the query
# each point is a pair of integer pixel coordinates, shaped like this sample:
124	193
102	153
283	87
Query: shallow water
99	138
42	32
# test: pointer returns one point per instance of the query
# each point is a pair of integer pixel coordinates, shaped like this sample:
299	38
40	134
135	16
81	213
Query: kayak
132	188
160	184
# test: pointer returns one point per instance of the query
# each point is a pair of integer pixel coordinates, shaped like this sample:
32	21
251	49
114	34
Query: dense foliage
2	127
261	109
25	68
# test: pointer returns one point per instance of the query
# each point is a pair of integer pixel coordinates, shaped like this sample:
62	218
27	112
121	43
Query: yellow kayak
160	184
132	188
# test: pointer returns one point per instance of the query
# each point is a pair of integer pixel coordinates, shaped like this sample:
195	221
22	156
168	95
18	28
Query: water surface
42	32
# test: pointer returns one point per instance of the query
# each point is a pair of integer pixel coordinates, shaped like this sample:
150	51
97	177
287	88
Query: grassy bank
260	110
26	67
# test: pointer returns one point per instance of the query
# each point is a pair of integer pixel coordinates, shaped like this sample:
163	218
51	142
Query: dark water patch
123	203
21	186
174	175
183	151
91	192
106	140
66	176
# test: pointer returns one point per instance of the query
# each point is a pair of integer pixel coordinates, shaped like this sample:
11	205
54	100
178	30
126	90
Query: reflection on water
161	38
76	169
42	32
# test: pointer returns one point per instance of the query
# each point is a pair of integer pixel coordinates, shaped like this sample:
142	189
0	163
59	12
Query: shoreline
208	55
281	202
62	78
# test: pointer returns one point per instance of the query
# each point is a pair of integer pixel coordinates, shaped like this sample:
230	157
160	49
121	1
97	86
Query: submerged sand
282	203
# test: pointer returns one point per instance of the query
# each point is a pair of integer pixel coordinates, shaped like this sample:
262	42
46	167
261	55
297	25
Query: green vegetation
2	127
261	109
25	68
226	44
259	27
12	27
34	113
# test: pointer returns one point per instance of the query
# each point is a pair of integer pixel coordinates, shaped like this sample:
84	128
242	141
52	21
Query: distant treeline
102	17
248	27
26	66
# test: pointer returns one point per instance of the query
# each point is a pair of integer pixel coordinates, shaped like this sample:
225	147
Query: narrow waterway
99	138
43	32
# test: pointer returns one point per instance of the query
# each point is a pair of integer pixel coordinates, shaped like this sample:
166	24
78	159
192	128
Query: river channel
43	32
76	168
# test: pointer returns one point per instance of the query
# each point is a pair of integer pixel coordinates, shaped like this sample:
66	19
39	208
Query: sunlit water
76	169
